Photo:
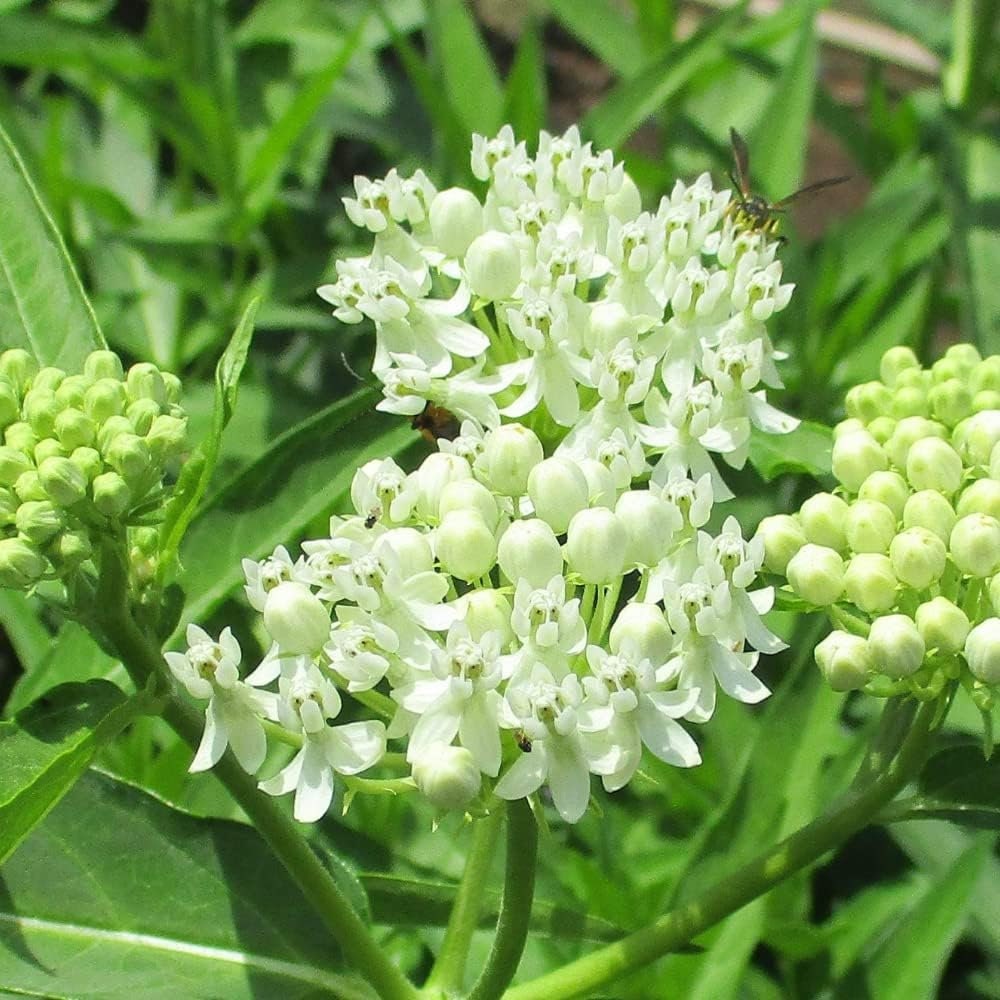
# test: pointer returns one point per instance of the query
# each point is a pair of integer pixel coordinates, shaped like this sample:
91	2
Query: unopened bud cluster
906	552
80	451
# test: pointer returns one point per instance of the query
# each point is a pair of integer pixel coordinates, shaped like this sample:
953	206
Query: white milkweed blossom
540	600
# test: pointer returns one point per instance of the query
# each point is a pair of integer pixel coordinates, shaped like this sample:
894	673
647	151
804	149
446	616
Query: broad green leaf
46	747
910	965
605	28
525	97
43	308
24	628
467	71
806	449
197	471
118	894
305	473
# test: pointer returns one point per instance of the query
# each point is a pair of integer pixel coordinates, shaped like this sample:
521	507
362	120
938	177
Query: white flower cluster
631	337
531	621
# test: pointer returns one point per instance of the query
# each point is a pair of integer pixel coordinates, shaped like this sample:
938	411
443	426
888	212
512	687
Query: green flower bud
456	220
868	401
985	377
70	550
870	526
493	266
986	399
10	404
487	611
976	437
72	391
104	399
411	547
845	661
942	625
975	544
39	520
167	437
596	545
470	494
609	324
982	651
910	401
951	402
130	456
894	361
103	365
849	426
75	429
64	483
816	574
918	557
945	370
13	463
870	583
112	497
296	619
18	366
646	626
625	203
173	386
144	381
881	428
40	410
649	522
21	564
855	457
141	415
896	646
600	483
932	464
823	518
908	431
435	473
48	448
529	550
783	536
48	379
19	435
465	545
929	509
9	504
558	489
980	497
447	776
887	488
965	359
29	487
510	453
88	461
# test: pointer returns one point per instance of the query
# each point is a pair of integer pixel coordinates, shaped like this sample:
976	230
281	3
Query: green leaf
306	473
43	308
48	745
197	471
806	449
605	29
118	894
526	87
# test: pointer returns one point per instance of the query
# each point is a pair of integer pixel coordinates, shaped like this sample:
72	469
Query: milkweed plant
556	590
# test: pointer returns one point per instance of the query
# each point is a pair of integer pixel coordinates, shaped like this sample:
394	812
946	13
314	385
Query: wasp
373	517
523	743
753	212
435	422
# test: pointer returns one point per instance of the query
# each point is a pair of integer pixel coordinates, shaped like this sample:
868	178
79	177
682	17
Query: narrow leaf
806	449
526	89
605	28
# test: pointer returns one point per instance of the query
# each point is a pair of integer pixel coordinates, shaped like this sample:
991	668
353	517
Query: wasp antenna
347	365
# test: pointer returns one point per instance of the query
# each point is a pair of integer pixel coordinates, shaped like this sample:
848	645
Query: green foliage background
192	154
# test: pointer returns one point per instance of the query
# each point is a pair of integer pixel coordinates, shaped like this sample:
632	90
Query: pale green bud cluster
905	552
79	453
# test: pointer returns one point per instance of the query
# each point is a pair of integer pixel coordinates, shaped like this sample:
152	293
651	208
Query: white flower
360	648
265	575
542	617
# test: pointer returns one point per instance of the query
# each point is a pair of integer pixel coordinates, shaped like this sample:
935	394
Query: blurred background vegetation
194	153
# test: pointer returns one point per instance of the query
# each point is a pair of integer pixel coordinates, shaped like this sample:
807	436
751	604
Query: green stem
448	973
893	727
515	906
802	848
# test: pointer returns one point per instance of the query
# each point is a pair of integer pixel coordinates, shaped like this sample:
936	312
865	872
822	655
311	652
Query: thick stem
778	863
448	973
515	906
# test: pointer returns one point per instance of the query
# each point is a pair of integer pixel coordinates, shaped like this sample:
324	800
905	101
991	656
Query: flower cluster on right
905	553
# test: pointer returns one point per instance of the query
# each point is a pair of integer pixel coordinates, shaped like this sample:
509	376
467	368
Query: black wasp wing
810	189
741	158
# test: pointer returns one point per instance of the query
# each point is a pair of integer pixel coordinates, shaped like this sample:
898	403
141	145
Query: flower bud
465	545
845	661
609	324
75	429
908	431
942	625
894	361
887	488
951	402
929	509
19	435
295	618
868	401
39	520
173	386
411	548
975	544
129	456
470	495
918	557
985	377
849	426
10	404
144	381
70	550
112	496
910	401
625	203
980	497
932	464
141	415
9	504
72	391
48	379
18	366
448	776
486	611
646	626
783	537
986	399
816	574
48	448
596	545
21	564
103	365
529	550
869	526
855	457
870	583
982	651
64	483
104	399
601	487
40	410
29	487
88	461
896	646
435	473
558	489
511	452
456	220
882	428
111	428
823	518
166	437
13	463
975	438
964	358
649	522
493	266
